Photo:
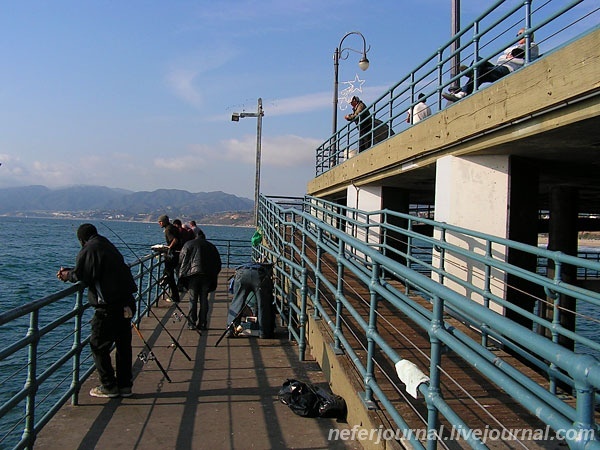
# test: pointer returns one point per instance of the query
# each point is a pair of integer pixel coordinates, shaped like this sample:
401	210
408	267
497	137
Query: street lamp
235	117
339	54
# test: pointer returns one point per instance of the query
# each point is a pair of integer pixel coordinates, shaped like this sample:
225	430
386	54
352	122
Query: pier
224	398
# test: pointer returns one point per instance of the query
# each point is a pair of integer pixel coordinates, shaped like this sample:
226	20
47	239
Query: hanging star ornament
347	93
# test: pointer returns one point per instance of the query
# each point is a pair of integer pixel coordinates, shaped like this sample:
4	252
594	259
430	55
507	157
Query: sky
138	94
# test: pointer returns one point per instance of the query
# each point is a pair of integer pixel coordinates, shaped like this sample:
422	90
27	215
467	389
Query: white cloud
181	82
183	78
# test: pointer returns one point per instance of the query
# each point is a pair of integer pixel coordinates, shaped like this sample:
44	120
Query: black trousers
108	328
169	272
198	289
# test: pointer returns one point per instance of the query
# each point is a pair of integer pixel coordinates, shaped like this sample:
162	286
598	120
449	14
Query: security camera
235	117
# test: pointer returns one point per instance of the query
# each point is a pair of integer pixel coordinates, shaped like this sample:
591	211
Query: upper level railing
376	247
45	357
553	23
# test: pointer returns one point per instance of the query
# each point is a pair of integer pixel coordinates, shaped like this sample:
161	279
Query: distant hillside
107	203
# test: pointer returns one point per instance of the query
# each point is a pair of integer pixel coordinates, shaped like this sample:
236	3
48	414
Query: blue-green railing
553	23
46	367
472	285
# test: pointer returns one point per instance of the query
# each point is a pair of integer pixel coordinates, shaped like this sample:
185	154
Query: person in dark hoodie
110	291
199	267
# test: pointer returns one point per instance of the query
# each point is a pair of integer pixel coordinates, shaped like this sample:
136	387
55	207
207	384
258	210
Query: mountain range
100	202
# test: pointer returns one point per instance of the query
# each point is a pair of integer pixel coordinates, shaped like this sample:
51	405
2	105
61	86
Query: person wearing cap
361	116
172	257
511	59
419	111
110	291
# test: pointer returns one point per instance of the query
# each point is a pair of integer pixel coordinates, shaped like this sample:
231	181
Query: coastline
581	242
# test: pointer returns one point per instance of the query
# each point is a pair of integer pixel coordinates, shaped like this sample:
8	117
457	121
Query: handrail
488	35
51	360
325	226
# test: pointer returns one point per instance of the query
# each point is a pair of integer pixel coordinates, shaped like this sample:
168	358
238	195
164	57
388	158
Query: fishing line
150	273
175	341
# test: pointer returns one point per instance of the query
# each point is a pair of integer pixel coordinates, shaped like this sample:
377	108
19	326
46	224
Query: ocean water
32	252
34	249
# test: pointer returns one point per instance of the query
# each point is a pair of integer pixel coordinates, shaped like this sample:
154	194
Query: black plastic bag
308	400
331	405
300	397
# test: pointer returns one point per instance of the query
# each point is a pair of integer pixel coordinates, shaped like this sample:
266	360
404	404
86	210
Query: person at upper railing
511	59
419	111
361	116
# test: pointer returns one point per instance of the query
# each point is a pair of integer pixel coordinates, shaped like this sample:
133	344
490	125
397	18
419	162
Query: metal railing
473	285
47	359
554	23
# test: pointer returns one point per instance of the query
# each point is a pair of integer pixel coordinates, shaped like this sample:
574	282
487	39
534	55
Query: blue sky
139	94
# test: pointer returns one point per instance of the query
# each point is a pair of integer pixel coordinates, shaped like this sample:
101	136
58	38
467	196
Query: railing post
303	316
338	299
372	328
31	382
584	421
437	321
77	348
487	289
475	55
316	296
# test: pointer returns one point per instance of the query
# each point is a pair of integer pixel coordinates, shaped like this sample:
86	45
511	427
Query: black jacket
200	257
102	268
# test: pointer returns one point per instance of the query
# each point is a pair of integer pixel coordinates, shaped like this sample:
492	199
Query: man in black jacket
110	291
200	264
173	240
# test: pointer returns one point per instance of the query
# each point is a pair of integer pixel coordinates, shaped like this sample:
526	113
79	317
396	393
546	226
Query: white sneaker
454	97
104	392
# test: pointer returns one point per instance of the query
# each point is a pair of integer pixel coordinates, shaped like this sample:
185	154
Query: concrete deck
224	398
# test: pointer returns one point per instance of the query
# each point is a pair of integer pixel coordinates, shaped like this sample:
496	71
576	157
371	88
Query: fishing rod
153	357
149	272
175	341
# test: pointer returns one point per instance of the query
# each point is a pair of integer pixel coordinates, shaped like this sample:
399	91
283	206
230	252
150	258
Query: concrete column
562	236
472	192
396	199
365	198
523	227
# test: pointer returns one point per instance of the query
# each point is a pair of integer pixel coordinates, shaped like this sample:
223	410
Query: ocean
32	252
34	249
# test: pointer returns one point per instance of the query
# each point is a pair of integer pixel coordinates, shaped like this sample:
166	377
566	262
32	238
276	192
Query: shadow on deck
224	398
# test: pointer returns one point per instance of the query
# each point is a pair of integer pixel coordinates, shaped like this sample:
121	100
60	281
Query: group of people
510	60
192	264
99	264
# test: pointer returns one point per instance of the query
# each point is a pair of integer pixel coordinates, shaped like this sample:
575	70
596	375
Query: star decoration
347	93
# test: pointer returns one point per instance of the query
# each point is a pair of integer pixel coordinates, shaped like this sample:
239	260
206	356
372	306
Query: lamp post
339	54
235	117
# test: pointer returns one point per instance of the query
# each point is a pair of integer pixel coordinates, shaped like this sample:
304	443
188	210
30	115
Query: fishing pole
149	272
233	322
152	355
175	341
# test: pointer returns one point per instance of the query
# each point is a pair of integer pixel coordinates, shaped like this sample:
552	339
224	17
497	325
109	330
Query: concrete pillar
472	192
365	198
523	227
396	199
562	236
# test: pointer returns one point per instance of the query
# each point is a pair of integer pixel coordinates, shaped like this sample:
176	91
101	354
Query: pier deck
224	398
